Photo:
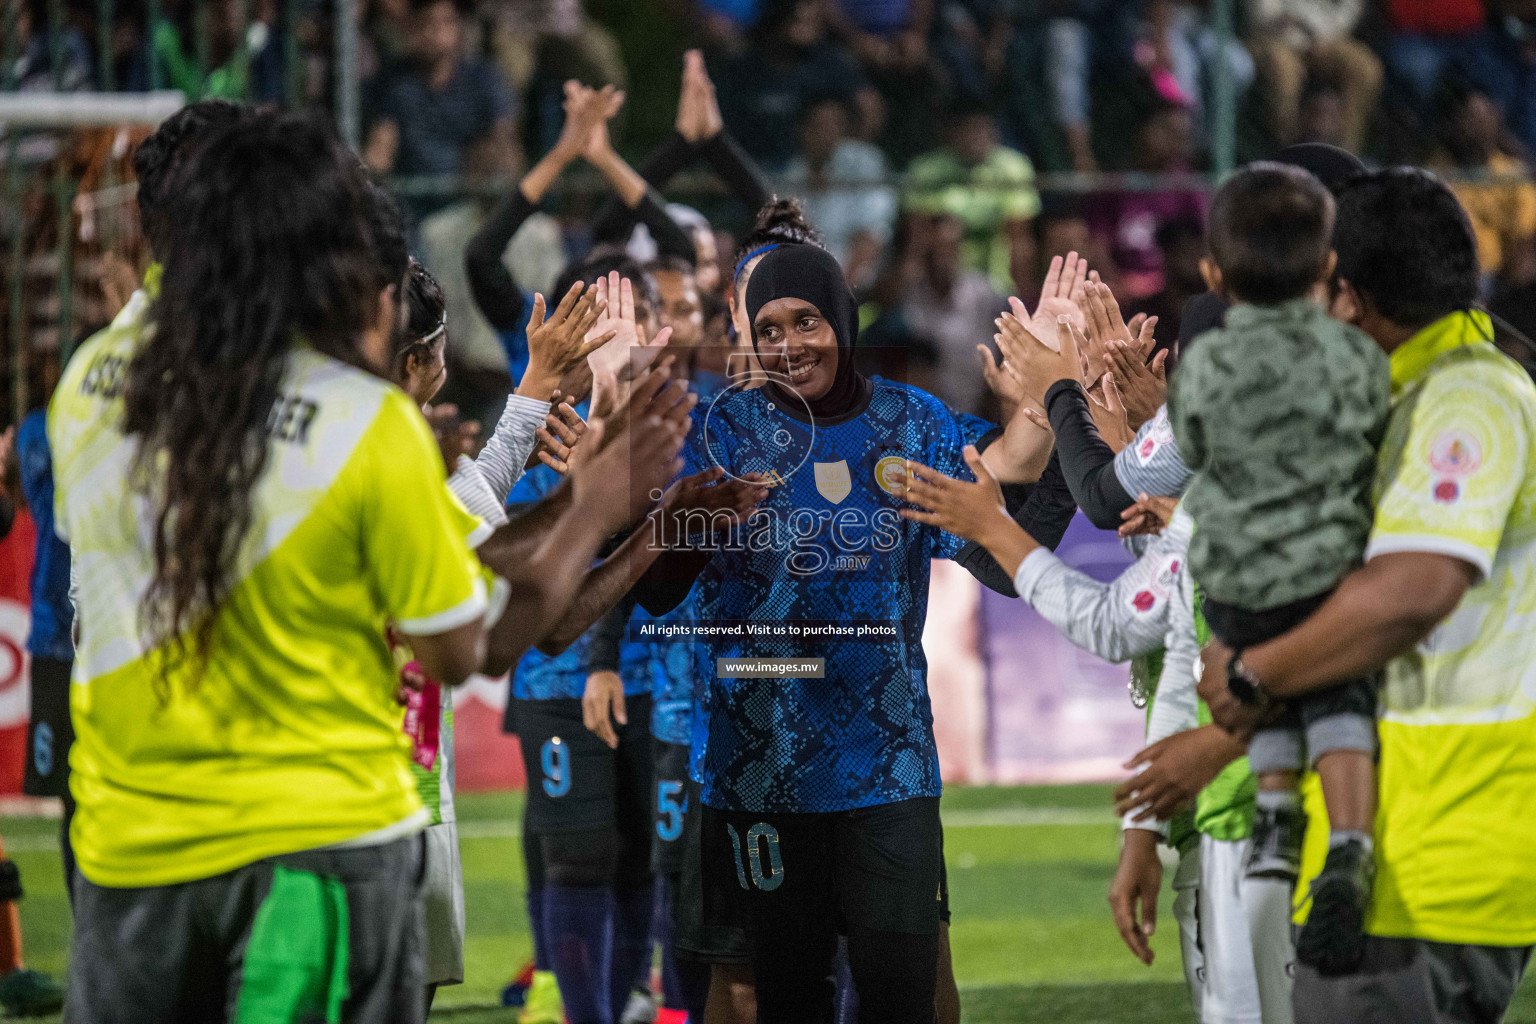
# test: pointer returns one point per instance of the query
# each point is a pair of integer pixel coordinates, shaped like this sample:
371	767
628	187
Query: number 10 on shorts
758	836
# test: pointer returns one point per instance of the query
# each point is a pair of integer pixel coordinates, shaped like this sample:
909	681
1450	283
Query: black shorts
575	782
671	807
51	732
693	939
876	868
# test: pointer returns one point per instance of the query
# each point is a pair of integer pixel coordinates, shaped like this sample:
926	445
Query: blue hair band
754	254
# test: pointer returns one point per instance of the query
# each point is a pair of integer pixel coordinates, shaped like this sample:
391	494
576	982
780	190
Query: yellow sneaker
542	1004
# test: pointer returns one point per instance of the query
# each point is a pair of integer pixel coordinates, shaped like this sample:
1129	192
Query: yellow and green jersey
1457	820
290	738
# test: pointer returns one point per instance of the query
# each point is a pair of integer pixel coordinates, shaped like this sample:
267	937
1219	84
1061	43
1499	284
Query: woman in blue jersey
821	786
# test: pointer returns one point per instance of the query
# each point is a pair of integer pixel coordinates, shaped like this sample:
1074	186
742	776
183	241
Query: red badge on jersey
1144	600
1447	491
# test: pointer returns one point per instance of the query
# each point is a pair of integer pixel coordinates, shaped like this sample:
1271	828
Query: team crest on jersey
833	480
1455	453
889	472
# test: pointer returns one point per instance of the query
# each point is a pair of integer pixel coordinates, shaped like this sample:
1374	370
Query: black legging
895	973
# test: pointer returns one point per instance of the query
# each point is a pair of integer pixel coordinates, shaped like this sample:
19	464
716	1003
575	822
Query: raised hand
1033	364
624	347
1010	395
973	511
1060	295
585	111
1109	415
635	456
562	342
605	105
1143	386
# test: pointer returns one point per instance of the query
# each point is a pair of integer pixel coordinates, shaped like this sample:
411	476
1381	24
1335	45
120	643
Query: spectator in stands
1503	212
790	62
34	70
841	181
1179	52
556	39
1424	39
952	308
240	62
985	185
1322	113
1126	223
1291	39
1502	63
883	32
1069	49
443	112
1182	244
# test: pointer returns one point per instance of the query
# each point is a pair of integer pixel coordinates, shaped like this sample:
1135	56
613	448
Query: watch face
1240	684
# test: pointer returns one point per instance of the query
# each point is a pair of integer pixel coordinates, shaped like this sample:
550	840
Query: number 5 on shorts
669	810
556	760
769	880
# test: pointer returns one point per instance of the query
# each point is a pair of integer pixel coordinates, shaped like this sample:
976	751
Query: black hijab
811	274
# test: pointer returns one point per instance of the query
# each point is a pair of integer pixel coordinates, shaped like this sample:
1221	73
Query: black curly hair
270	243
426	313
160	157
781	221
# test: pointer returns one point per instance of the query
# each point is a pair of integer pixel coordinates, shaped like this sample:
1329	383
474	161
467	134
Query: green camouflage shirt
1278	414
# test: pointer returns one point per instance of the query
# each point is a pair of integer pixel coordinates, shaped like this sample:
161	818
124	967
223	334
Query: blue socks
635	909
579	925
536	929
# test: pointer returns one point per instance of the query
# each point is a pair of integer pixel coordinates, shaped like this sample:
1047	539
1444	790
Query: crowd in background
913	130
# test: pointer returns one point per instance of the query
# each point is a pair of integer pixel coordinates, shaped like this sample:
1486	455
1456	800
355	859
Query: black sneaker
1333	939
1275	850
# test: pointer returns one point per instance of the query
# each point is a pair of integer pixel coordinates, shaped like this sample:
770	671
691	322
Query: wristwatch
1244	685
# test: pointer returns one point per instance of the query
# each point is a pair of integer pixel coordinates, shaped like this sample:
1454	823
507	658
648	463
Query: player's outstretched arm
605	586
608	490
494	290
971	511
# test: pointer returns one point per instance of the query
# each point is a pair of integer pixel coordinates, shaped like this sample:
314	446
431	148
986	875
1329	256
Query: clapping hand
586	110
1034	365
623	346
1060	295
562	431
698	112
560	343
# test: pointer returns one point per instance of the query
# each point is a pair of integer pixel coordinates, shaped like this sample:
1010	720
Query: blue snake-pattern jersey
827	545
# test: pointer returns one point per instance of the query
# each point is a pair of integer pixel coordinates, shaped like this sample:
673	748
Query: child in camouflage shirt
1279	414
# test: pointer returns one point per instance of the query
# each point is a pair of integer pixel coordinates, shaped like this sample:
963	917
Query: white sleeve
1175	705
469	485
1118	620
502	459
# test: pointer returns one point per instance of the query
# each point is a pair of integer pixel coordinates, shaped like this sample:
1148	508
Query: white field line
1002	817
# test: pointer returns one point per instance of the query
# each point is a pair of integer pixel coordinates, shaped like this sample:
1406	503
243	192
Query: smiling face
794	339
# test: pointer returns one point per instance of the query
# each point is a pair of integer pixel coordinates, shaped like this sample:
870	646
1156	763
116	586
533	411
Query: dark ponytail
781	221
270	244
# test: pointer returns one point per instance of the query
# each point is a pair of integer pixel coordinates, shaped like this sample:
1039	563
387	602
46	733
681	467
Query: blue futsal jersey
826	553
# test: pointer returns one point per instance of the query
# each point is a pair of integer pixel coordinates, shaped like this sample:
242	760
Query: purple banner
1056	713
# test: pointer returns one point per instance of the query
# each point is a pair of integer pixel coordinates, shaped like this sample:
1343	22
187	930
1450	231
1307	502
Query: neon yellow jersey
1457	476
291	739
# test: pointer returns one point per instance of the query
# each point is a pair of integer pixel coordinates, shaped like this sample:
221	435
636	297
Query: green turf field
1029	869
